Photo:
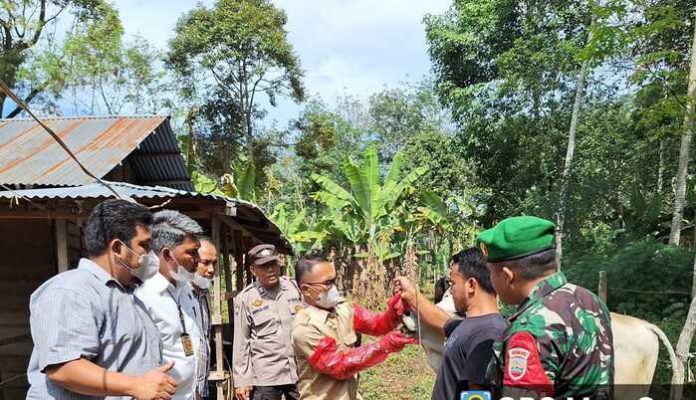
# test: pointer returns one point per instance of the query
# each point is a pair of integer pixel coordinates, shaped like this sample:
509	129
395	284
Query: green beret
516	237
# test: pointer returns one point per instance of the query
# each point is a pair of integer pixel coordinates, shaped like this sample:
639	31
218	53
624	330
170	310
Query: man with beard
469	345
92	337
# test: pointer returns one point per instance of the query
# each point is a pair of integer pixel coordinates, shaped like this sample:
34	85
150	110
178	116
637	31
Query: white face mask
148	265
181	275
329	299
201	281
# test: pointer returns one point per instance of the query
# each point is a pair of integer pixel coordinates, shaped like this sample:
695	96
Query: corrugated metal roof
31	157
98	191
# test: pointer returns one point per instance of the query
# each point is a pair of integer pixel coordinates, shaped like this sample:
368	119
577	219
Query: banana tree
364	212
366	205
298	231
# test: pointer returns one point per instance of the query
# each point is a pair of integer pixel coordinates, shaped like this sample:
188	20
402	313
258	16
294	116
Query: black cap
262	254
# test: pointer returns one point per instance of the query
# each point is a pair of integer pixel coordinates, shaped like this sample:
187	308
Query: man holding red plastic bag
325	335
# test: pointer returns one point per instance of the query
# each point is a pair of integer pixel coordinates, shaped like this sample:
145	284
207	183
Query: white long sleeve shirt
162	300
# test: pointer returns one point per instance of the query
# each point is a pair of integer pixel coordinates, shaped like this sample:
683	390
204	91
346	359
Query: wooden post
246	240
218	375
603	286
238	249
61	244
228	275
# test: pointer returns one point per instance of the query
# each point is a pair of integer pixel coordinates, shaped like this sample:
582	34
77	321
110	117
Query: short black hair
113	219
536	265
306	263
471	264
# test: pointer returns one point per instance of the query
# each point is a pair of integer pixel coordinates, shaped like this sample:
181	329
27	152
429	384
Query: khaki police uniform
263	354
311	326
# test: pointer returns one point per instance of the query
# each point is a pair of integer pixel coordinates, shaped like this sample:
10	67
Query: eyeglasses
326	284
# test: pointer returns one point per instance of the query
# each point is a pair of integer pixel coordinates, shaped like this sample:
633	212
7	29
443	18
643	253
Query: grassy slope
404	375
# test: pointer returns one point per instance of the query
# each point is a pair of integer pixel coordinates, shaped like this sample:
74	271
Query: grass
404	375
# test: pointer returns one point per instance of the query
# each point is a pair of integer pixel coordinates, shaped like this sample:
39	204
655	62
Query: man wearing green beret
559	342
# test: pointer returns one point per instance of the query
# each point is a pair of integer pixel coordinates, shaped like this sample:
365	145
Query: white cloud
345	46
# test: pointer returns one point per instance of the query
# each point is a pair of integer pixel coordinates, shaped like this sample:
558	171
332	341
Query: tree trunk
684	150
560	217
682	351
693	278
684	343
687	334
661	166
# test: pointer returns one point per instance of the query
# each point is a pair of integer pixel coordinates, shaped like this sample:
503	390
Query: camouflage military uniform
558	344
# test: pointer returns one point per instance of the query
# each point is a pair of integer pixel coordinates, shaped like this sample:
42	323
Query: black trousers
275	392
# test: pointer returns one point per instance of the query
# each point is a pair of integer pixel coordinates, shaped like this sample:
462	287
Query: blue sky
351	47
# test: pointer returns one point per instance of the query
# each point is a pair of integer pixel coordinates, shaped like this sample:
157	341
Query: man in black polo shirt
469	345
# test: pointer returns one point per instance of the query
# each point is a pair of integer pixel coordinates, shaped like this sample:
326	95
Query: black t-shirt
468	351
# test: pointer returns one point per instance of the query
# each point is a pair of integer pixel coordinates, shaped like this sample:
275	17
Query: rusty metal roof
29	156
248	215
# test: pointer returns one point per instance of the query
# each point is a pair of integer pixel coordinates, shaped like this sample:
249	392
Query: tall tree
105	74
398	114
521	59
228	55
23	23
687	334
685	149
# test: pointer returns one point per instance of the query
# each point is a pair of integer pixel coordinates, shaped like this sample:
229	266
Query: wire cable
57	138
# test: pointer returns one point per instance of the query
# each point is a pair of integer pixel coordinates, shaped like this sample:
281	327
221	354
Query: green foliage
31	57
298	230
398	114
367	209
225	58
242	188
646	279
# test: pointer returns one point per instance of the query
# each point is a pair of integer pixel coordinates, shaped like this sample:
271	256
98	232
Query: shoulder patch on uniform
257	303
517	363
523	368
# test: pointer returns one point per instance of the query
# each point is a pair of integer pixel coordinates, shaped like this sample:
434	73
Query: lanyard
181	314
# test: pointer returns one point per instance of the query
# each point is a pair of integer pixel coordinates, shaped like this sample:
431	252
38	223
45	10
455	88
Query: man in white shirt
169	298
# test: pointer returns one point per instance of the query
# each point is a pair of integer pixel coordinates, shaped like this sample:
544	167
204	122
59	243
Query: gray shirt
262	352
203	370
86	313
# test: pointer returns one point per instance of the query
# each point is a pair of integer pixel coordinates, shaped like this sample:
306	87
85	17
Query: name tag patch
258	310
